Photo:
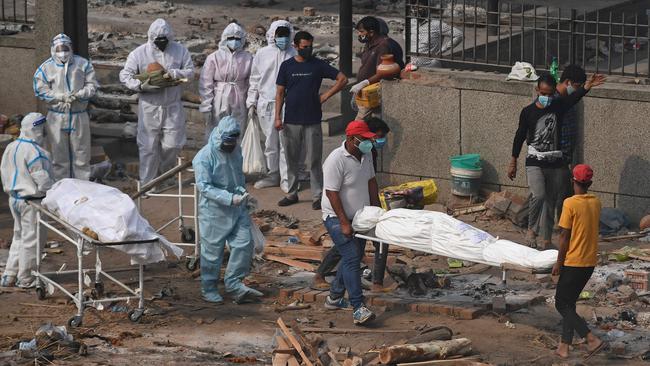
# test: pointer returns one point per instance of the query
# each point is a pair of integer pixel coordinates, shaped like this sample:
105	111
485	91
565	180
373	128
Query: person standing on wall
298	86
66	82
540	126
376	45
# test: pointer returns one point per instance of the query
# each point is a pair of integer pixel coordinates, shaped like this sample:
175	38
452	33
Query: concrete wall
445	113
17	93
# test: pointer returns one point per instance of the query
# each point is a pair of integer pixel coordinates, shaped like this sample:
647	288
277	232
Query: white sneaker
7	281
267	182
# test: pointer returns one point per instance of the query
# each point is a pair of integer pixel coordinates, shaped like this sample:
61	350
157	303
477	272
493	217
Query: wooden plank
281	359
295	251
291	262
354	330
621	237
294	342
317	235
301	338
468	361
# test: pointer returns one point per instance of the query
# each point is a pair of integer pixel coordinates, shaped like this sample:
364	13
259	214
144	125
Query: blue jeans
348	276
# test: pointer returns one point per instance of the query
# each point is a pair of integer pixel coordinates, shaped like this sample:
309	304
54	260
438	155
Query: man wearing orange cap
577	258
349	184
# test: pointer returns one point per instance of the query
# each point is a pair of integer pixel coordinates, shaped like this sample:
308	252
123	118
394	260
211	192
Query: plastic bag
429	193
254	159
367	218
258	238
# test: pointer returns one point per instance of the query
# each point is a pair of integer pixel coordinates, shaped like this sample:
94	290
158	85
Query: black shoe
288	201
316	205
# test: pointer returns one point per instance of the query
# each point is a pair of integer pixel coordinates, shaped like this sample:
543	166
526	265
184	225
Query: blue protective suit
219	177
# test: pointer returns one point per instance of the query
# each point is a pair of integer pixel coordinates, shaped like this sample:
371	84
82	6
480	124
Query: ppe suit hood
228	126
270	34
31	128
59	39
160	28
232	30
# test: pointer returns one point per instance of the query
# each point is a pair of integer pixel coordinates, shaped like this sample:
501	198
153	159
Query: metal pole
345	58
492	17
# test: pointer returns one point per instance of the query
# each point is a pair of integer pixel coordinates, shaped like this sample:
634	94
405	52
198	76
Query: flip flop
591	354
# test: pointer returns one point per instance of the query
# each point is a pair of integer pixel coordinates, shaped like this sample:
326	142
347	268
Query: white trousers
22	253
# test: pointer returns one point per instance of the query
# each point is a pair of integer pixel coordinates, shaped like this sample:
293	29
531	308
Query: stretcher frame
505	267
189	238
84	243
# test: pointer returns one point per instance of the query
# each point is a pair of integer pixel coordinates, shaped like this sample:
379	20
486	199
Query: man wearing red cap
349	184
577	258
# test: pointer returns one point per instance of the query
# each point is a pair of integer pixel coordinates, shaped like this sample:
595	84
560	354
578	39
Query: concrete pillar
75	25
49	22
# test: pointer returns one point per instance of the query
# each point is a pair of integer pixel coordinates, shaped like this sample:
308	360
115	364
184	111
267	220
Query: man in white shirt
349	184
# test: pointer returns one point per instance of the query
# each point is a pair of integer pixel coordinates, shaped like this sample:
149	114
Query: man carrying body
224	79
223	214
66	82
349	185
376	45
261	100
26	176
298	85
577	258
161	117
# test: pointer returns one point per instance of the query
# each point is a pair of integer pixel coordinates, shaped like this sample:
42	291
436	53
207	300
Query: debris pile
50	343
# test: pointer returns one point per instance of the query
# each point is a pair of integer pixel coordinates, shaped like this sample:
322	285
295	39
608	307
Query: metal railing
492	35
16	11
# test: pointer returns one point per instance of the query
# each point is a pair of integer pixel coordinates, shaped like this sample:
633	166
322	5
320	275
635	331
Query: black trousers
332	258
572	281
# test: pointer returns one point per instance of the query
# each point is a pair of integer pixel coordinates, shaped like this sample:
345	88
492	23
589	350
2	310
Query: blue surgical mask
570	89
544	100
282	42
380	142
234	44
365	146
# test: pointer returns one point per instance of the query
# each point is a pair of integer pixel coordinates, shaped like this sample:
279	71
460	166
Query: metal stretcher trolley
189	235
83	244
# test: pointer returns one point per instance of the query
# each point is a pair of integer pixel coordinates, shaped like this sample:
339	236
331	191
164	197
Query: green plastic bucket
467	161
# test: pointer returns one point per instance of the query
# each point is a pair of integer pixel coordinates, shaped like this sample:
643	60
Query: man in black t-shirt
540	126
298	86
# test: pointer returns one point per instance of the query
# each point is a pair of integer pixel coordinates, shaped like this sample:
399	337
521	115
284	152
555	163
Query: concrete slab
420	145
489	131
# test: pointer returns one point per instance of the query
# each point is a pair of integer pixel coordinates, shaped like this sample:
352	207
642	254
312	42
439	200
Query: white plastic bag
367	218
254	159
109	213
258	238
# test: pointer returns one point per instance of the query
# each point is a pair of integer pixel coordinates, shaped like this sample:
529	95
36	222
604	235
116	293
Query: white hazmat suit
261	95
161	118
66	82
224	80
26	175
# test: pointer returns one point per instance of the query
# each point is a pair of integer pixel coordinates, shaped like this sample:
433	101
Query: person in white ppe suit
161	118
224	80
261	99
26	175
66	82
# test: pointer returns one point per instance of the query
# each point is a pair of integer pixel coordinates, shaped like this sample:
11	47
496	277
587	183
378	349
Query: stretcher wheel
75	321
188	235
40	293
191	263
135	315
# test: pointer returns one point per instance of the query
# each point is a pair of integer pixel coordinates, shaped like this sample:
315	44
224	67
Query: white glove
207	117
237	199
147	87
241	190
167	76
59	97
68	99
356	88
252	110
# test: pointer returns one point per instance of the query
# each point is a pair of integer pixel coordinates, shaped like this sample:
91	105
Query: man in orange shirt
576	259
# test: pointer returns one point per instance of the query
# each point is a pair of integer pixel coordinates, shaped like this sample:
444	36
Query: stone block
311	296
425	129
285	294
615	145
490	132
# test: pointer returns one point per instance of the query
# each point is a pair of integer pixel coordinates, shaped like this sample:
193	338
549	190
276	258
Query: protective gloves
147	87
356	88
238	199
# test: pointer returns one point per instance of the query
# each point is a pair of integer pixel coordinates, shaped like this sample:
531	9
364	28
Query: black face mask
306	52
161	43
363	39
227	147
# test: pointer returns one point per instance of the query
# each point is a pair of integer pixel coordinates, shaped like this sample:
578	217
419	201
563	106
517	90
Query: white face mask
64	56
